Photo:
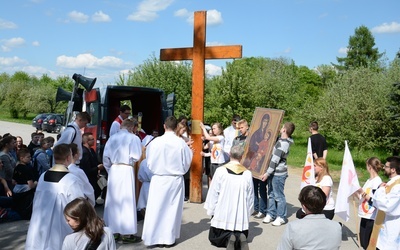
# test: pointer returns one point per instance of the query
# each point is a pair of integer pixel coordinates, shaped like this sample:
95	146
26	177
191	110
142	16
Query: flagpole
358	223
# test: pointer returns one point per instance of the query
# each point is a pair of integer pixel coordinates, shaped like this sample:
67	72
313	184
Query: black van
103	106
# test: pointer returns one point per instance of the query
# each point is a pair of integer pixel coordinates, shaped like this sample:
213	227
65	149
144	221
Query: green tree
360	51
248	83
354	107
5	79
14	100
394	106
326	72
168	76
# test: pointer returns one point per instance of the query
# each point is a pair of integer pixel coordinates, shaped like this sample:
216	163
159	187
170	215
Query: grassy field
5	116
298	153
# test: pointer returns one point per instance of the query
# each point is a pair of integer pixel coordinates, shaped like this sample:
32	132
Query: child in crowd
276	175
217	142
24	190
89	229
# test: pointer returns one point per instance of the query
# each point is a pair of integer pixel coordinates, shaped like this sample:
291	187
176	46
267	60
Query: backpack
73	138
35	164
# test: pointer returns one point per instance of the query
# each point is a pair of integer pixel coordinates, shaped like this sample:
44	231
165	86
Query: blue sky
106	38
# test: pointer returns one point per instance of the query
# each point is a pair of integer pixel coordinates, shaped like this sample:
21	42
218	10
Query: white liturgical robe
230	200
144	176
48	228
87	188
389	235
169	158
122	150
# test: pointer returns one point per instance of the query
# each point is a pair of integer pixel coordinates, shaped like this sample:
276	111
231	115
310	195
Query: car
38	120
53	123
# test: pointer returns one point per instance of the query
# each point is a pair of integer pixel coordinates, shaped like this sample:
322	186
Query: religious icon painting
264	130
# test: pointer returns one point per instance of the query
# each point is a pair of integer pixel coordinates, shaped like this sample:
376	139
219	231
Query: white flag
347	186
308	176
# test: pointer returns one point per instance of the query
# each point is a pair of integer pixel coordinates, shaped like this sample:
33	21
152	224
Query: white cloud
147	10
185	14
10	65
8	44
12	61
36	43
99	16
213	70
89	61
78	17
4	24
343	50
182	13
37	71
287	51
214	17
125	72
214	44
392	27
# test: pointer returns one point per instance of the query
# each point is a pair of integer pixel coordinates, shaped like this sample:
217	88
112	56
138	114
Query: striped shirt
277	165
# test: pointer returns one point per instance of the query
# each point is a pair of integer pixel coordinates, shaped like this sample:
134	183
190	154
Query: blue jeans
276	196
260	188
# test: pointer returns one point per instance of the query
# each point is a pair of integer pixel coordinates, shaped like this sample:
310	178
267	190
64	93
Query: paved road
195	224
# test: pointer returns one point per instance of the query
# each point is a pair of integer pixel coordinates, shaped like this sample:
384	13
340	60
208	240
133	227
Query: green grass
5	116
298	153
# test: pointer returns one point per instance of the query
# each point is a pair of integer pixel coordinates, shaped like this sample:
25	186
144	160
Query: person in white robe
144	176
168	158
56	188
230	200
124	113
78	172
386	230
121	152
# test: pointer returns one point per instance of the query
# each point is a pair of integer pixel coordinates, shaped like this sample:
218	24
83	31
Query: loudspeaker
63	95
86	82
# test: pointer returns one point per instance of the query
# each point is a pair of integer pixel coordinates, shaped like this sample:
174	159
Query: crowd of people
55	185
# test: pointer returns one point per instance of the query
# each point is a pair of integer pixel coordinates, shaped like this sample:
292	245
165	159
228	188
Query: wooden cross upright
199	53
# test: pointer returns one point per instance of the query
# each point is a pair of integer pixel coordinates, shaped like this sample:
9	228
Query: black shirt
318	144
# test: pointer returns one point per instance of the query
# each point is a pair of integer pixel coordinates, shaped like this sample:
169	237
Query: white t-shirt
217	154
327	182
364	209
230	134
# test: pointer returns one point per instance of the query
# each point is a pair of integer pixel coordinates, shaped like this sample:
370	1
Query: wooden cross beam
199	53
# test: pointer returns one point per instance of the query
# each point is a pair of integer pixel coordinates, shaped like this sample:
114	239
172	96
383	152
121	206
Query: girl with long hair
324	181
217	141
366	211
7	144
89	230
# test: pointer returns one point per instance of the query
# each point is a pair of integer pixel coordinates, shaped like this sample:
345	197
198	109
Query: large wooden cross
199	53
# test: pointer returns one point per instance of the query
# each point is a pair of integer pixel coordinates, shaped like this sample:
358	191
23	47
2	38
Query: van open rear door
93	107
170	104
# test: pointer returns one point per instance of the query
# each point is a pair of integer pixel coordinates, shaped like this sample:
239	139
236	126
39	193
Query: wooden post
199	53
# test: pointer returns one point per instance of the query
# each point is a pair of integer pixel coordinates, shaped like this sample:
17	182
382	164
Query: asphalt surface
195	222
